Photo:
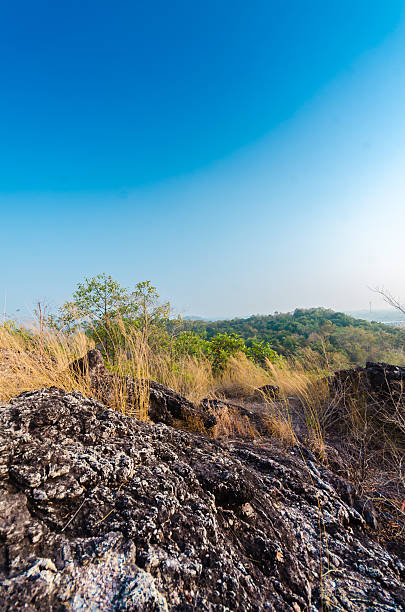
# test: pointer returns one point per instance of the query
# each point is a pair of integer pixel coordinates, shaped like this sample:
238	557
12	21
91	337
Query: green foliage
190	343
222	346
339	339
96	303
150	311
260	352
104	310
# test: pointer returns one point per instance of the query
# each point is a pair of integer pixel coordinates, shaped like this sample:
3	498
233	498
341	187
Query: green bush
222	346
190	343
260	351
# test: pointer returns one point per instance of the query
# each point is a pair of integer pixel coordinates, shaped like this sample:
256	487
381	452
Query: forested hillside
107	312
341	339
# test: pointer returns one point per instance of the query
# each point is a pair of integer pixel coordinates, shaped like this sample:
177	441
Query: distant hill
339	338
197	318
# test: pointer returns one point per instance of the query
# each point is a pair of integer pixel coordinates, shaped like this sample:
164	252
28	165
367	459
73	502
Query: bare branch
389	298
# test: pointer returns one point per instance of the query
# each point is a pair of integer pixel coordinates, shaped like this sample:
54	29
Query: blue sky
244	157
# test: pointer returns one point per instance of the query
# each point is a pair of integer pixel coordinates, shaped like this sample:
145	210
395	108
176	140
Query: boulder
99	511
383	381
165	404
271	392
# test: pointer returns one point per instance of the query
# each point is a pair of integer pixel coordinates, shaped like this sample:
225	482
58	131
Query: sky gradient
244	157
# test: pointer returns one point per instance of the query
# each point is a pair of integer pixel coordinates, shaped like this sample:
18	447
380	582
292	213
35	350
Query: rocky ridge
101	511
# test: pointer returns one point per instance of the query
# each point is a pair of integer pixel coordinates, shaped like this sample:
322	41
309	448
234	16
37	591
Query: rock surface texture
101	512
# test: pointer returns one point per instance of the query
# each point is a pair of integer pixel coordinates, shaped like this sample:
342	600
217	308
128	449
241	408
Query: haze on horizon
245	158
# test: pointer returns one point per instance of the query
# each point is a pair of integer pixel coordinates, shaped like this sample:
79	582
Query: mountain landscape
340	339
196	199
154	463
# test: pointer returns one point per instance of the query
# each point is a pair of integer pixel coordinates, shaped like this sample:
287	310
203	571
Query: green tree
150	311
222	346
260	351
96	306
190	343
101	307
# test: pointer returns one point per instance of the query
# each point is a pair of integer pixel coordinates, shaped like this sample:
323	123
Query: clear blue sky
243	156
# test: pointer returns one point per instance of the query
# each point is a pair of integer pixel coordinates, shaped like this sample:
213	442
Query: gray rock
101	512
382	380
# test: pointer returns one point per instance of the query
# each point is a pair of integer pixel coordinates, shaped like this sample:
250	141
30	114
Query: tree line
107	312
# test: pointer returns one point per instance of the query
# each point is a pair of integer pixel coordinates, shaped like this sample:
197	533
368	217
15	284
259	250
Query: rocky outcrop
165	405
376	396
271	392
381	380
99	511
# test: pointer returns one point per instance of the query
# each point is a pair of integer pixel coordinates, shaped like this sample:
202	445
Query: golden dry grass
242	377
231	423
190	376
42	358
278	423
309	384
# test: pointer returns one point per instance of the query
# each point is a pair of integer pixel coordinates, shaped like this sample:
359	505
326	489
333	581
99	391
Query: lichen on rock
101	511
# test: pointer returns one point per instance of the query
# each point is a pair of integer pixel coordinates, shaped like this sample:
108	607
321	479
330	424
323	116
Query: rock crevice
101	511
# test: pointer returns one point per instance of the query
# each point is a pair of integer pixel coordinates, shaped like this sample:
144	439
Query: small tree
150	311
100	306
96	305
222	346
260	351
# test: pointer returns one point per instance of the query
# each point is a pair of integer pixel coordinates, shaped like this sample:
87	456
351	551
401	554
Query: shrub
260	352
190	343
222	346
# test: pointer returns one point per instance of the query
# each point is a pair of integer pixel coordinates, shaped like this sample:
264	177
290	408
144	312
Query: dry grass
371	432
242	377
40	360
310	386
231	424
131	361
189	376
36	359
278	423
